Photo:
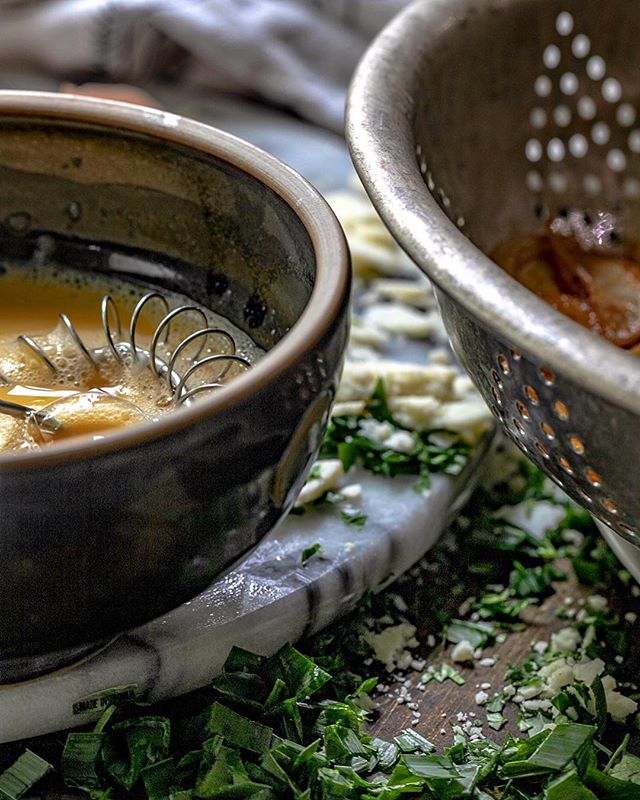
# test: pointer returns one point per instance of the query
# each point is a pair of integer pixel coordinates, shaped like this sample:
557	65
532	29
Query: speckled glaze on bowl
98	536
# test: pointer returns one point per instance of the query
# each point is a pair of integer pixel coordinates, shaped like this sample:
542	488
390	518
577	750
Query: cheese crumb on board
324	476
402	319
462	652
416	293
391	645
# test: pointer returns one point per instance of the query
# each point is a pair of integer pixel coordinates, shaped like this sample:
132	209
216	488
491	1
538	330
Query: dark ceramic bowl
98	537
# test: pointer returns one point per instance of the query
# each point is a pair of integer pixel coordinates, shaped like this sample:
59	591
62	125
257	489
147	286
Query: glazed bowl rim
331	286
381	111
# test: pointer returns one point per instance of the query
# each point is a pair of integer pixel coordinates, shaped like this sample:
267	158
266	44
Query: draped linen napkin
298	54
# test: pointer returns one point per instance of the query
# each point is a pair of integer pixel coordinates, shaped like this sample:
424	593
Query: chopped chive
23	775
308	552
80	759
239	730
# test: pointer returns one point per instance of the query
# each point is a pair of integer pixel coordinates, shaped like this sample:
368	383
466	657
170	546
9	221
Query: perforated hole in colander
561	410
532	395
577	445
578	104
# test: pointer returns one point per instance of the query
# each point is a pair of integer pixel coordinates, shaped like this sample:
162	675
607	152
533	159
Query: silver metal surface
471	121
44	421
185	376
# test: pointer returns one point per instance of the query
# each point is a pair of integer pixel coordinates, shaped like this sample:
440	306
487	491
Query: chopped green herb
81	760
308	552
478	634
23	775
445	672
355	518
496	720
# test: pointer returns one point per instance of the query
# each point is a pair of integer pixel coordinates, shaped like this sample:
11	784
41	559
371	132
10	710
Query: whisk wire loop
205	333
39	352
165	322
135	317
164	366
221	357
108	305
78	339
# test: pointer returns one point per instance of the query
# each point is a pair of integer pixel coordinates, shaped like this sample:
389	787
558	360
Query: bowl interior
115	201
534	102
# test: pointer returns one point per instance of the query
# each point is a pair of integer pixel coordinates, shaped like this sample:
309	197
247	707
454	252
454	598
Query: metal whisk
183	376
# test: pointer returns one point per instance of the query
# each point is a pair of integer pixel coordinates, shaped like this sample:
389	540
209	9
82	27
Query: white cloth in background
299	54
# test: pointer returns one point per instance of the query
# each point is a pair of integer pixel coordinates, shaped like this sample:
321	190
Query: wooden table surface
440	702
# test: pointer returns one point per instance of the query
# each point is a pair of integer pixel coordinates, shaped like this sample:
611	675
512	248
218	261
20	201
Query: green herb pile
433	452
298	725
343	440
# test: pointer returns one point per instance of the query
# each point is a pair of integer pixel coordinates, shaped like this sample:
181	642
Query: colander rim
381	108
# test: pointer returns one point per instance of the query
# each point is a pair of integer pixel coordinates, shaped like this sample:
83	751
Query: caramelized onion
600	290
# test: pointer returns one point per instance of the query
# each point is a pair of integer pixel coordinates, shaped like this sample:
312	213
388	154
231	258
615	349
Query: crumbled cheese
414	293
540	646
352	408
618	705
326	474
462	652
586	671
360	352
440	356
630	617
401	319
399	602
368	334
401	379
373	249
352	492
391	643
487	662
463	387
401	442
597	603
376	431
481	698
467	417
589	637
414	412
530	690
571	536
536	705
404	660
565	640
555	677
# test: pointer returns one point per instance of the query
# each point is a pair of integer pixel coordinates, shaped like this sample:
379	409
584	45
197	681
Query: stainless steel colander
472	121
